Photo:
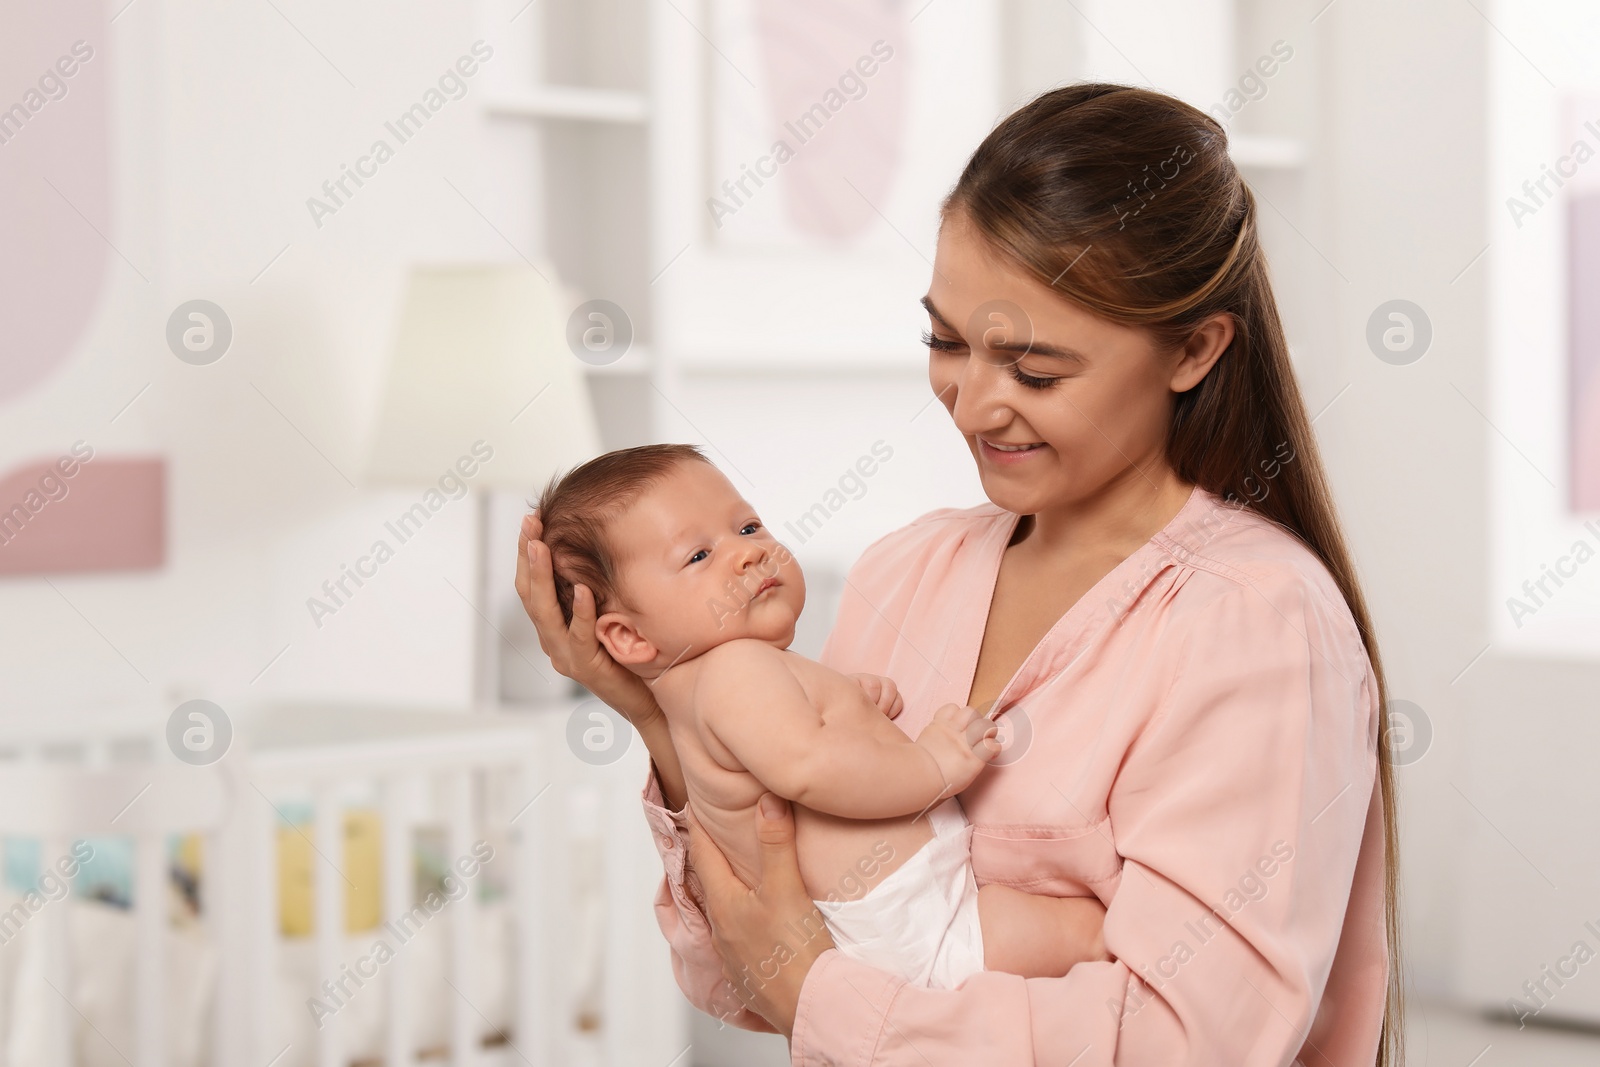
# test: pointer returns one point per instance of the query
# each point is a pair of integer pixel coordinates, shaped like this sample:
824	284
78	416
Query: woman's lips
998	455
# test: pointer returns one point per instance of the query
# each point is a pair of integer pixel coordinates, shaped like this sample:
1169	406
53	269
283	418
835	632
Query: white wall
228	120
1499	817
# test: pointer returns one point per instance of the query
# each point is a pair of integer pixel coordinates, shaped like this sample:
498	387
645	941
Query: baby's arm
752	703
882	692
1038	936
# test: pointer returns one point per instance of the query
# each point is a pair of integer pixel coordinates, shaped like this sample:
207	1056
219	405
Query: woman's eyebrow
1037	348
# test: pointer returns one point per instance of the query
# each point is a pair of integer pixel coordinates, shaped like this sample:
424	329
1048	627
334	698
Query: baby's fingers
988	746
871	684
897	706
957	716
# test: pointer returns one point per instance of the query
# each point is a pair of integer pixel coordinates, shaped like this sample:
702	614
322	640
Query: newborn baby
696	596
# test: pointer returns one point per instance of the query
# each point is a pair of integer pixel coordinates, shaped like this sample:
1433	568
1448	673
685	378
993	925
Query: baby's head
677	561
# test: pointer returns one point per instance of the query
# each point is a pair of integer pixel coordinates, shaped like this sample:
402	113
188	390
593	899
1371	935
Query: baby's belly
842	859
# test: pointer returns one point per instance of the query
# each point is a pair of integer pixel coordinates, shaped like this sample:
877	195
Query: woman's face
1018	364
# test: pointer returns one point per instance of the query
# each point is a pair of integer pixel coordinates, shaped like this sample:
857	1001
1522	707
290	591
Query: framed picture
1580	157
806	148
1544	388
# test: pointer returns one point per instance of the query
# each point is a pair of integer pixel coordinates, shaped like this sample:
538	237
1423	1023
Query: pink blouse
1194	743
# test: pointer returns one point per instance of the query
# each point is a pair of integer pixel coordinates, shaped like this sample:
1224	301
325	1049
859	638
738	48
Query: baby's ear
622	639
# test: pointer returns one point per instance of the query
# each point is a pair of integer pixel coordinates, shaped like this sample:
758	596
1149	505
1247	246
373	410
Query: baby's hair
575	509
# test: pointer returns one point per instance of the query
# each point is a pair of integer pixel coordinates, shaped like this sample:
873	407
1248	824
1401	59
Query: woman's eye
942	344
698	556
1028	381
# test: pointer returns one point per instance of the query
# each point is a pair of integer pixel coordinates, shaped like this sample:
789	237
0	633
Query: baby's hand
882	692
962	742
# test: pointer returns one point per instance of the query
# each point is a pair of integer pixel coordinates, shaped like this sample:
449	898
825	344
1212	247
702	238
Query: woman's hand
1039	936
573	649
770	935
576	652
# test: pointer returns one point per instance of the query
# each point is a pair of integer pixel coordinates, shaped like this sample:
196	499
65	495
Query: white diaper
921	922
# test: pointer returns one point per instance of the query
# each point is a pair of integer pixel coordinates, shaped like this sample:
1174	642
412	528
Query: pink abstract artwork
1583	303
54	182
1580	162
74	514
78	512
820	146
807	49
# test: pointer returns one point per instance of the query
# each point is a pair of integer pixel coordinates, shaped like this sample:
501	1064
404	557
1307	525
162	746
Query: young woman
1159	602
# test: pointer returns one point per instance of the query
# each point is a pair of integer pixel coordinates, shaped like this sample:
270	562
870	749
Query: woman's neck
1116	521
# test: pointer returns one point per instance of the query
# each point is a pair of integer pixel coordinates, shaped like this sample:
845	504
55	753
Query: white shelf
636	361
755	363
571	102
1267	153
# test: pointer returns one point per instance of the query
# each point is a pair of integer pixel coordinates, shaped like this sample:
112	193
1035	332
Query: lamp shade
480	355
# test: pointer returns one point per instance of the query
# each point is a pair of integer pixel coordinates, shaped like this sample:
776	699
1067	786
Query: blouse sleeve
681	916
1238	811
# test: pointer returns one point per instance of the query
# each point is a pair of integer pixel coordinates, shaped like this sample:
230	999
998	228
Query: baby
696	596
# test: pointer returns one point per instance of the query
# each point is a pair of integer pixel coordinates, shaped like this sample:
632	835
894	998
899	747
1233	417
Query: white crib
589	981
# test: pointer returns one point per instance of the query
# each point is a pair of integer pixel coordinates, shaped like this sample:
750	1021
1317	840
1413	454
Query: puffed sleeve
1240	809
681	916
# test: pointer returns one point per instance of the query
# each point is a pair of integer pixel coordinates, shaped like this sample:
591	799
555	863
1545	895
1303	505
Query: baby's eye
699	555
750	526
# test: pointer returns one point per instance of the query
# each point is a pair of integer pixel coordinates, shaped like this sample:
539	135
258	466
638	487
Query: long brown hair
1125	201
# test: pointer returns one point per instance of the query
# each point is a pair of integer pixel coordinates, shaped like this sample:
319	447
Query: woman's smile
1008	452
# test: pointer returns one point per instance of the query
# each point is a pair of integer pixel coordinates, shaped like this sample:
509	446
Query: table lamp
480	355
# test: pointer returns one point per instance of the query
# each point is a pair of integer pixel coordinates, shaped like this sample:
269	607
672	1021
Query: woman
1157	601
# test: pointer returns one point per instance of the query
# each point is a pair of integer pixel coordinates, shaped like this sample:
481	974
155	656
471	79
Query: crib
467	892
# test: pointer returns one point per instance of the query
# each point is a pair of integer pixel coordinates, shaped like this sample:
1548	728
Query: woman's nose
979	406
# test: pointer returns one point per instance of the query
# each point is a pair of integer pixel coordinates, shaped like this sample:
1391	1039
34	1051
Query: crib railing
56	805
474	774
401	757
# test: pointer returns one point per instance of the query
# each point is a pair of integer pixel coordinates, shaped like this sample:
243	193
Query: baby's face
697	568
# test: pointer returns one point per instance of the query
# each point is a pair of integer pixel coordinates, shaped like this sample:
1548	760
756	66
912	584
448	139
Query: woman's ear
1201	352
622	639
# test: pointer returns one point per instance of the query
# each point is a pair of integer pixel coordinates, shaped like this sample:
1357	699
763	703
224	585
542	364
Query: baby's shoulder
735	667
742	650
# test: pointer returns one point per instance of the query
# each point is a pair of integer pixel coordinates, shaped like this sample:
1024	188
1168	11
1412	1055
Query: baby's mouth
768	584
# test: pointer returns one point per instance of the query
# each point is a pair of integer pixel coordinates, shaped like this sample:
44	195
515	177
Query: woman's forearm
668	771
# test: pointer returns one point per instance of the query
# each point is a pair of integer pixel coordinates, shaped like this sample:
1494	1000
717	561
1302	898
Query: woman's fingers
583	615
747	921
536	585
780	861
574	649
524	571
